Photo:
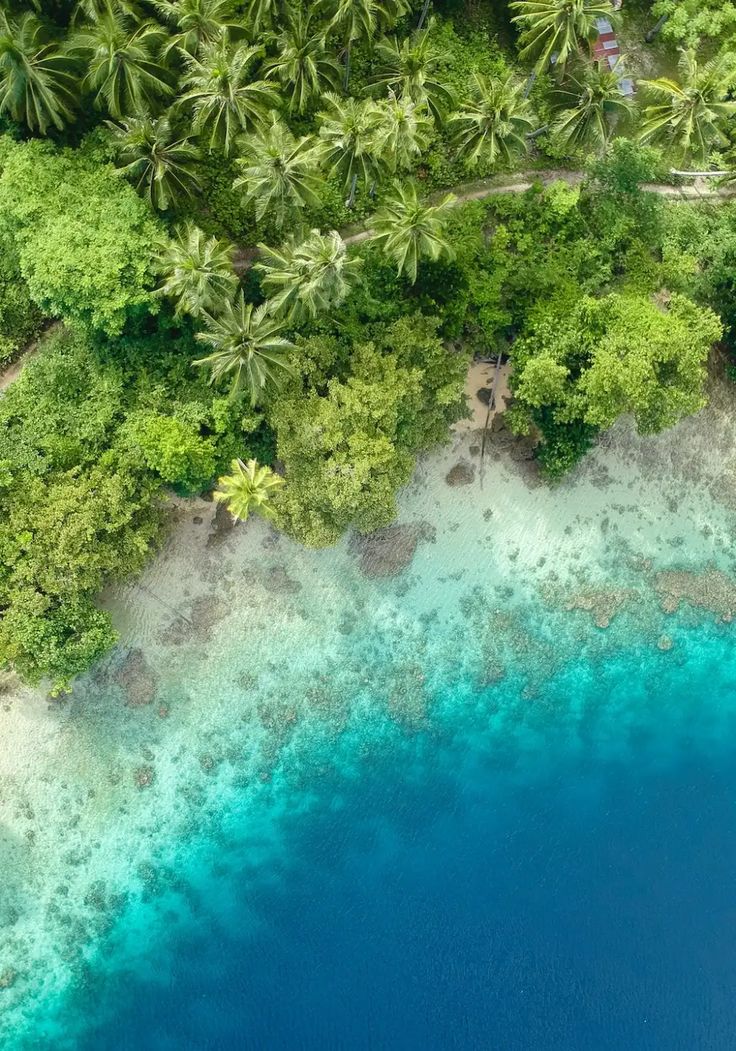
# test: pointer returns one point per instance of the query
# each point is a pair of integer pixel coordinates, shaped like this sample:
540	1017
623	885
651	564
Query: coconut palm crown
558	28
310	277
248	488
591	102
160	164
691	114
280	173
247	345
492	124
197	271
409	229
37	82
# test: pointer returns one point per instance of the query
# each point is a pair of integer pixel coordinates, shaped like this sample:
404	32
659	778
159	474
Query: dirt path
13	370
523	181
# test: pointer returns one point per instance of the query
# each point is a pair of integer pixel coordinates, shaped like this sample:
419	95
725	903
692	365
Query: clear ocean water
487	802
453	891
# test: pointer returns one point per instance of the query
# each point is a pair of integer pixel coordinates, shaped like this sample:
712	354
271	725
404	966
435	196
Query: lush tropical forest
253	247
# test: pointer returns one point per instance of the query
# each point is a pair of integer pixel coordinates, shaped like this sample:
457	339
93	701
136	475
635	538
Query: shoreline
242	654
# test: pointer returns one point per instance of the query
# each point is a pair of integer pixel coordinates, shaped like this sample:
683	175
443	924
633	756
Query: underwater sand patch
712	590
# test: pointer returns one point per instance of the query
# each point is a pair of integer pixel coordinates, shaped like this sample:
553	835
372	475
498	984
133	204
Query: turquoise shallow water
307	807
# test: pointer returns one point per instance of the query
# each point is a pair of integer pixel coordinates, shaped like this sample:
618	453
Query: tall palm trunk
655	28
346	82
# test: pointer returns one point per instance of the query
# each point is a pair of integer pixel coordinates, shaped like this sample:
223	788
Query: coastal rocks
137	679
223	524
712	590
389	551
664	643
460	474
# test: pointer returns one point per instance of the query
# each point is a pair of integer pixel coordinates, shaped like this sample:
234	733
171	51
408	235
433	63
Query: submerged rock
8	978
460	474
602	603
712	590
144	776
387	552
278	580
137	679
223	524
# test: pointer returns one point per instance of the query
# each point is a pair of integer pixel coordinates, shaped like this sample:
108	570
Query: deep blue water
555	891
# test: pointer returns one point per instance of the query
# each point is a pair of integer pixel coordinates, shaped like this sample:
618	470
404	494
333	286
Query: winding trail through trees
470	191
523	181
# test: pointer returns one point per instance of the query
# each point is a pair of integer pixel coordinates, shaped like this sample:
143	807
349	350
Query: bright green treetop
250	487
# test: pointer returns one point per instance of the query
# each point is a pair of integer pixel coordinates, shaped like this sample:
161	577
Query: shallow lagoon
486	801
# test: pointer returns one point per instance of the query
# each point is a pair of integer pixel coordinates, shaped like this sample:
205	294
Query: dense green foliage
348	442
174	177
83	238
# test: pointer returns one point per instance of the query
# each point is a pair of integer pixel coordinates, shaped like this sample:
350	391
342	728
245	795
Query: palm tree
123	69
160	164
308	278
493	123
248	488
280	173
247	344
558	27
263	12
592	103
358	19
197	271
302	65
93	10
37	82
350	134
224	99
198	23
409	230
409	70
691	116
404	131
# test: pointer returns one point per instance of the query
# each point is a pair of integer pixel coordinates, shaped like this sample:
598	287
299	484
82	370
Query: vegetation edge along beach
174	180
